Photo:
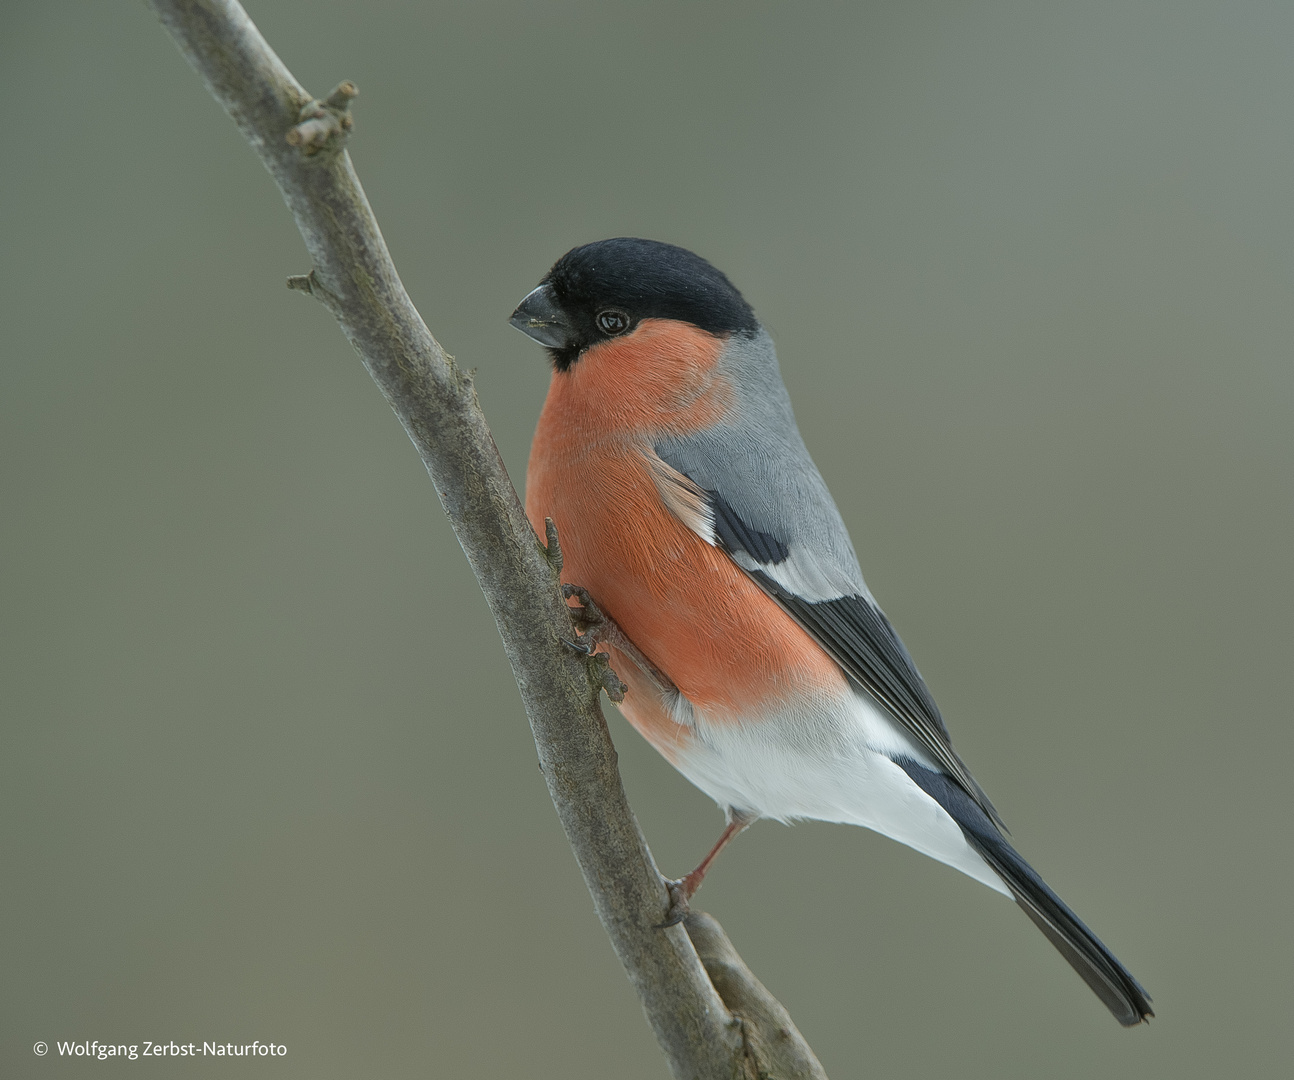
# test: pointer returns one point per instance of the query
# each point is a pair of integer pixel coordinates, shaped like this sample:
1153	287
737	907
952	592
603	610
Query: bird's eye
612	322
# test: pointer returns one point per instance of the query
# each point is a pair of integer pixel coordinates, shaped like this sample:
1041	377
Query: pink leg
682	891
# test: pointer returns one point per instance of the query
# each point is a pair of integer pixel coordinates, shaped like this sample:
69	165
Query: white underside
826	760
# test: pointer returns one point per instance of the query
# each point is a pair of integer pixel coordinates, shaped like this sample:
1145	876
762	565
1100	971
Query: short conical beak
539	317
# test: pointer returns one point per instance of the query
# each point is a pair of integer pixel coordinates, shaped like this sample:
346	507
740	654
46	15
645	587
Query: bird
703	551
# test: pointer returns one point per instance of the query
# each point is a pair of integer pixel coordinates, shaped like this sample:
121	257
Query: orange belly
730	650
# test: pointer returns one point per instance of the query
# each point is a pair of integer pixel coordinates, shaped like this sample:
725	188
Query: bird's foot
680	896
682	890
606	676
597	627
589	619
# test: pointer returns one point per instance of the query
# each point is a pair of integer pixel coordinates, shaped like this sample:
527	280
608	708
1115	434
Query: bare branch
771	1039
300	140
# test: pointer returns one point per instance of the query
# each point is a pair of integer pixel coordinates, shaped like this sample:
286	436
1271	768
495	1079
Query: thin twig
300	139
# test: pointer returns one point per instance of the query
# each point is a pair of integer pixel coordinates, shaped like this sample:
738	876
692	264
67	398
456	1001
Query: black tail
1109	979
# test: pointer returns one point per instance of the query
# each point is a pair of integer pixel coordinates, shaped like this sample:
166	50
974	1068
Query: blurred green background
266	775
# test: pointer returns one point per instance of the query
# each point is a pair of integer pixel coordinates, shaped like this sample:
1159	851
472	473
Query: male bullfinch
730	598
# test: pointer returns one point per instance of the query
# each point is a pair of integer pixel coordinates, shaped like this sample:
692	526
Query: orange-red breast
689	508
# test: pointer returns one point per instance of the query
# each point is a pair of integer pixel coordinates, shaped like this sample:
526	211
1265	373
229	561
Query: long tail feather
1099	968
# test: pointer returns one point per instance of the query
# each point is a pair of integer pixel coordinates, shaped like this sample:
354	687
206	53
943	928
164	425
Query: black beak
539	317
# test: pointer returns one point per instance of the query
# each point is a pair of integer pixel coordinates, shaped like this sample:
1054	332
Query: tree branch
301	142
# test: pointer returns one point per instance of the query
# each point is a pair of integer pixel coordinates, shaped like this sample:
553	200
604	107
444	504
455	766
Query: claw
588	616
580	593
583	648
679	908
607	678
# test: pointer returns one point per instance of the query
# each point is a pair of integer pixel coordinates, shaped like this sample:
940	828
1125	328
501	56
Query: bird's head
606	289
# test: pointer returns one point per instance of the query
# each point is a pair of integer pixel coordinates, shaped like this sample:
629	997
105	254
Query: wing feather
858	636
851	628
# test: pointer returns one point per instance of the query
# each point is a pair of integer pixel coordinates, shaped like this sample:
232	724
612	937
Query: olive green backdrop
265	773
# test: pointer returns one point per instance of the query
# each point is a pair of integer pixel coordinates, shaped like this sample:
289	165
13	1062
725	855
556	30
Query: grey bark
301	142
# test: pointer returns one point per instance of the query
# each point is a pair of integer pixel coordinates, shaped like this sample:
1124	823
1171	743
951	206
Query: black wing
858	636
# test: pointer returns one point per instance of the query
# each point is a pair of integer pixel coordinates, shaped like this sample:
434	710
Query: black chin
563	358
